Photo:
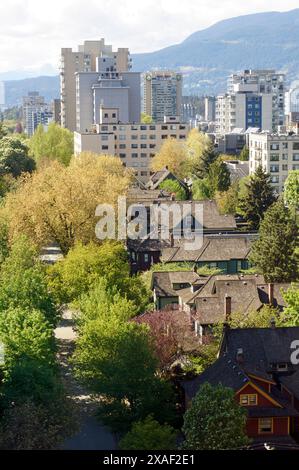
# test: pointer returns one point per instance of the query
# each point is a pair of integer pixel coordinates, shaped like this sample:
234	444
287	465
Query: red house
257	364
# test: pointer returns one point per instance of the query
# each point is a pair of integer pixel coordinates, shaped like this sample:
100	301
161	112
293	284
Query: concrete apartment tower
254	98
35	111
162	94
84	60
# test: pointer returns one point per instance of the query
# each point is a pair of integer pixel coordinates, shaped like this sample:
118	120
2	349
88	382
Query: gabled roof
248	293
214	248
261	346
159	176
163	282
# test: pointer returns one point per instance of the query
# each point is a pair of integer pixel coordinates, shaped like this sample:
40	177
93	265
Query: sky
33	31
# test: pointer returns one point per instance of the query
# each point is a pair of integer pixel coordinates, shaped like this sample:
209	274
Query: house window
248	400
146	257
265	425
282	367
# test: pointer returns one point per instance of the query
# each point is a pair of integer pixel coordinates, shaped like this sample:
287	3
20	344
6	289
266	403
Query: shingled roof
214	248
248	293
261	349
163	282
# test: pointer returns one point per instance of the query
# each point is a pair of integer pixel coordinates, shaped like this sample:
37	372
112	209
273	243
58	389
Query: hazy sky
33	31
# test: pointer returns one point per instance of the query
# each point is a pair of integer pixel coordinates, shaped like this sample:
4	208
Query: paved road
91	435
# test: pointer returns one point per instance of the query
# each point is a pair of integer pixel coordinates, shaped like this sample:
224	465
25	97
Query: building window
122	146
295	145
104	147
122	137
134	155
274	168
274	157
296	157
146	257
265	425
134	146
134	137
274	146
248	399
282	367
104	137
284	167
143	146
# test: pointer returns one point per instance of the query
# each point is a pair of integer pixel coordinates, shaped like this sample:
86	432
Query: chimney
227	307
240	356
271	293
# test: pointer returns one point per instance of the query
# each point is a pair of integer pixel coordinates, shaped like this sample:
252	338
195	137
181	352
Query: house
170	287
222	296
159	177
229	253
257	364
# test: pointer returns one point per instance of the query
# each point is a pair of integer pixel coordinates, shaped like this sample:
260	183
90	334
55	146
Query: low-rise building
277	153
134	144
256	364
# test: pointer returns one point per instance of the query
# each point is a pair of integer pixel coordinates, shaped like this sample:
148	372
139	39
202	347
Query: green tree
274	253
149	435
214	421
208	156
174	187
28	426
255	319
85	265
258	198
55	143
201	190
227	201
115	359
244	155
291	190
14	157
218	176
23	281
290	315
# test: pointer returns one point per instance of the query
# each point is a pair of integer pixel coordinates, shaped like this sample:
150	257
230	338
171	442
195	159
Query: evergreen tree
258	198
218	176
208	157
274	253
214	421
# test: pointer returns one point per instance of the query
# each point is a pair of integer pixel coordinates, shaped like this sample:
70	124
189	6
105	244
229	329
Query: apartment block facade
109	89
134	144
84	60
254	98
278	155
35	111
162	94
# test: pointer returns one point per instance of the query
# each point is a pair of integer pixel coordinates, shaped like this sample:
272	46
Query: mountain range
207	57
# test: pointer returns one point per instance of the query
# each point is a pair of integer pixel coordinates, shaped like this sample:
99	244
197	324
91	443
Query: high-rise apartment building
85	59
254	98
35	111
210	108
162	94
107	88
277	153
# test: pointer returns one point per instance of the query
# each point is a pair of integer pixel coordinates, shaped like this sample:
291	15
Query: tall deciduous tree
55	143
58	203
259	195
23	281
214	421
14	157
172	155
114	357
274	253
